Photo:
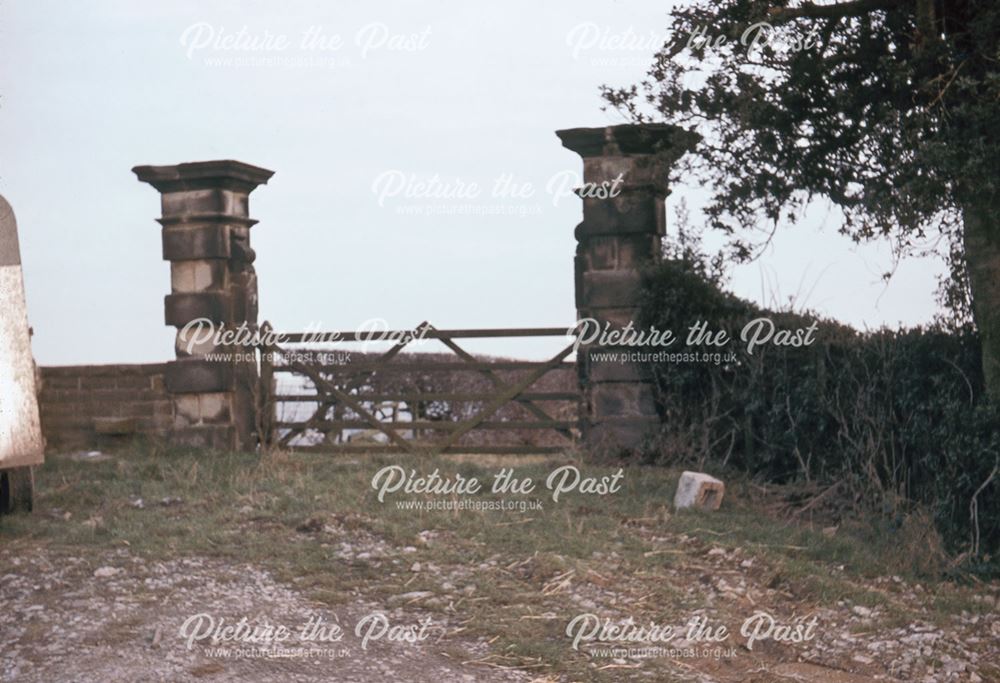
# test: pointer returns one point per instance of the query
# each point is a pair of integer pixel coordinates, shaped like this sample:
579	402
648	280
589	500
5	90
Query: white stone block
699	490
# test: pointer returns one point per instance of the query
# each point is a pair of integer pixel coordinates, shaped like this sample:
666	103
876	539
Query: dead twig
817	498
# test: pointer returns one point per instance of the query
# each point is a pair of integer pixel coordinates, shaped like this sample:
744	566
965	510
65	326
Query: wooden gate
399	402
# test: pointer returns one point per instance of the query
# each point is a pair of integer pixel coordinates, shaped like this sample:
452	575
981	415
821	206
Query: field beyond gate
319	396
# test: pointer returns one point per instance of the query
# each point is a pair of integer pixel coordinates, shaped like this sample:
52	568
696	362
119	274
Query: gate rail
351	393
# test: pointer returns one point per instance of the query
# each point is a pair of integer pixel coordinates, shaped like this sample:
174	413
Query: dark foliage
886	108
899	417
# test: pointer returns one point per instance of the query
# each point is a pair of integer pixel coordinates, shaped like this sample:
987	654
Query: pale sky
468	92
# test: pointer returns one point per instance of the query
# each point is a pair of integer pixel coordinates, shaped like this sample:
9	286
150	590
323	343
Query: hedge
899	416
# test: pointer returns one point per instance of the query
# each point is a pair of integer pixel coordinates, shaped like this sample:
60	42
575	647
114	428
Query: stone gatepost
625	174
206	238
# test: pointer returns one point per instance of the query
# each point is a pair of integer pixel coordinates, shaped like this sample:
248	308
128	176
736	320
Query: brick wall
88	406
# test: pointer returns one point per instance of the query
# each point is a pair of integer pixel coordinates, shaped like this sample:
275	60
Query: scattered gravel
65	620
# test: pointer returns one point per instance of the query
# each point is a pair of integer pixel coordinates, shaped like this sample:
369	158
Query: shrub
899	416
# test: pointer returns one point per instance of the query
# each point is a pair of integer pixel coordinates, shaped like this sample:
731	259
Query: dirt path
115	617
67	620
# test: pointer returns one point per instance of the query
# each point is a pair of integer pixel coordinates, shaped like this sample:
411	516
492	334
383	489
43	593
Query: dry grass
516	577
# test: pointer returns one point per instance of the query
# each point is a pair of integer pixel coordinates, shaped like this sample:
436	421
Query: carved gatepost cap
203	175
629	139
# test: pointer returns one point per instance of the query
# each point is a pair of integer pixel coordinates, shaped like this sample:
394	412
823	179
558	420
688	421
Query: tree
888	108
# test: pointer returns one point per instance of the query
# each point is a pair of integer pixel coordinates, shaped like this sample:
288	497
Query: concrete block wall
89	406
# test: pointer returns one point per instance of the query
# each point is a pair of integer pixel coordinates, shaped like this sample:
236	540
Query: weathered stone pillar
625	173
206	238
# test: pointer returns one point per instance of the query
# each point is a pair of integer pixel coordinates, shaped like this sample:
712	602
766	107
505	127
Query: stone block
52	410
114	426
698	490
200	175
628	139
218	437
197	276
187	410
196	409
56	423
180	309
152	426
579	268
197	376
214	407
621	399
186	243
623	215
205	201
611	289
136	382
137	408
96	382
68	437
111	395
615	434
619	252
617	318
600	253
636	251
195	341
616	371
603	171
164	409
59	382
